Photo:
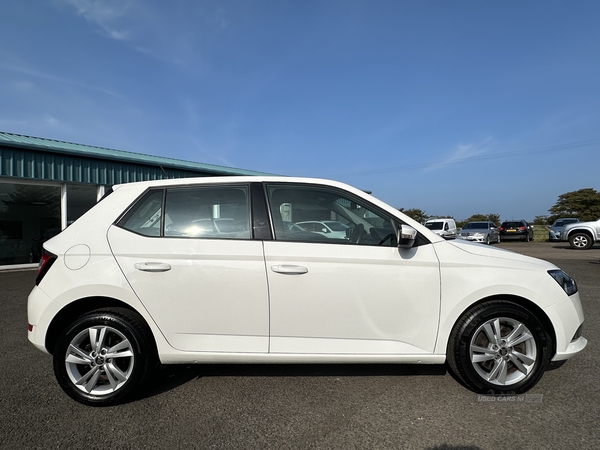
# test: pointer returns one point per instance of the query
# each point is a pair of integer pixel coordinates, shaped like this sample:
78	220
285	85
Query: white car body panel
220	304
470	273
353	299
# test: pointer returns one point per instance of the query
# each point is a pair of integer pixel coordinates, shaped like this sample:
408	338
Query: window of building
29	216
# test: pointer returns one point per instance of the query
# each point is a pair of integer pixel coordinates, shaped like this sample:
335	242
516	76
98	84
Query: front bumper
572	349
472	238
567	317
552	236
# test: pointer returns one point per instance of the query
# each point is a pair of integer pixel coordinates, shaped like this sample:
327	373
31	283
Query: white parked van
444	227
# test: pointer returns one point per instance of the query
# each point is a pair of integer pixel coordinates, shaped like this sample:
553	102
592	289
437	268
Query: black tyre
498	347
104	357
487	239
580	241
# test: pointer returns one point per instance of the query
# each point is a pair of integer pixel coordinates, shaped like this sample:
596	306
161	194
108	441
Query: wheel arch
581	230
73	310
520	301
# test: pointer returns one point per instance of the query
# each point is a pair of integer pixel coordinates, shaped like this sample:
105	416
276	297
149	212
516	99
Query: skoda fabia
209	271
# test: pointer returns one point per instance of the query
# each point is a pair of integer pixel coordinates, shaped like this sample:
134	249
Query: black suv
516	230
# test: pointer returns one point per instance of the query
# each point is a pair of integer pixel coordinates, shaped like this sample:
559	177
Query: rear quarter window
145	216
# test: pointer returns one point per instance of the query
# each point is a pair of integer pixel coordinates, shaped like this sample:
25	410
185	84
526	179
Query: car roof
227	180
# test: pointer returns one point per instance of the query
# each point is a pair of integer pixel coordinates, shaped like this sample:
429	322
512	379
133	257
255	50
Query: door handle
289	270
152	266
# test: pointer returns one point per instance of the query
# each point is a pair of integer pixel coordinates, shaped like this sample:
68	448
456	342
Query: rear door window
215	212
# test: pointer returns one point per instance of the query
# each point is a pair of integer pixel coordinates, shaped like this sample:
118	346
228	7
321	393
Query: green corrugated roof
29	142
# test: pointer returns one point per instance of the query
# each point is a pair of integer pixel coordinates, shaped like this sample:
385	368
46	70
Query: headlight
479	235
565	281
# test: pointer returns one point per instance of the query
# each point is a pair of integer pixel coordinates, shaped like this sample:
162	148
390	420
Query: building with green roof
46	184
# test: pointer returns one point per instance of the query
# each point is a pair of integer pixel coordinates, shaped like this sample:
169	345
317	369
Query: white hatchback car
152	275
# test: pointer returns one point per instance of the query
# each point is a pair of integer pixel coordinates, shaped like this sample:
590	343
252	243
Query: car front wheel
498	347
104	357
580	241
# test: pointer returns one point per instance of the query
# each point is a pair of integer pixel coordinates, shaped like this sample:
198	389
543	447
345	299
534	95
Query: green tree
418	214
583	204
480	218
447	216
540	220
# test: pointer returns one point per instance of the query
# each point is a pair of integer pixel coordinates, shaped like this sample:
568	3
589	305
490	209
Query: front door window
325	215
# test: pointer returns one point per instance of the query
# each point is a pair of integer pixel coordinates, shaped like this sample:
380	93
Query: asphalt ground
305	406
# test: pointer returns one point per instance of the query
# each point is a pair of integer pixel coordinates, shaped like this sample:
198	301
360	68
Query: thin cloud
163	31
105	13
23	85
485	155
216	157
51	121
26	85
463	152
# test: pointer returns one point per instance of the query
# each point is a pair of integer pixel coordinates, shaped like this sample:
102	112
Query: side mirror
406	236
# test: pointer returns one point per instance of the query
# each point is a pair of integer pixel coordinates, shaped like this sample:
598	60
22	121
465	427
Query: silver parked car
557	226
486	232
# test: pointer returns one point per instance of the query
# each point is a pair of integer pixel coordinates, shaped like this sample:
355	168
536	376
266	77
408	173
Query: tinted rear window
476	225
434	225
513	224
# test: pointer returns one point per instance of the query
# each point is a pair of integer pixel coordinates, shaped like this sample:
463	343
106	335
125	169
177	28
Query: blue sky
453	107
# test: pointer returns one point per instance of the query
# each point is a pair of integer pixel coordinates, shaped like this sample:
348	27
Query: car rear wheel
498	347
104	357
580	241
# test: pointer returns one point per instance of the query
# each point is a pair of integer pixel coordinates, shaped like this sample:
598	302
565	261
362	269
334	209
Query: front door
354	295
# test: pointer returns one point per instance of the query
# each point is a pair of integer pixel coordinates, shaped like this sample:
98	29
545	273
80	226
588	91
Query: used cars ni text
210	271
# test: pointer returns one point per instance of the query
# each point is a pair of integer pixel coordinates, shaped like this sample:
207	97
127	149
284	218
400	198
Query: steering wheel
357	233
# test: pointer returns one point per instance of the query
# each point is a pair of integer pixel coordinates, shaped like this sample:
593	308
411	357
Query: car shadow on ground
172	376
566	246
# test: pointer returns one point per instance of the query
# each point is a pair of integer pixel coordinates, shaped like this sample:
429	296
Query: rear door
187	252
